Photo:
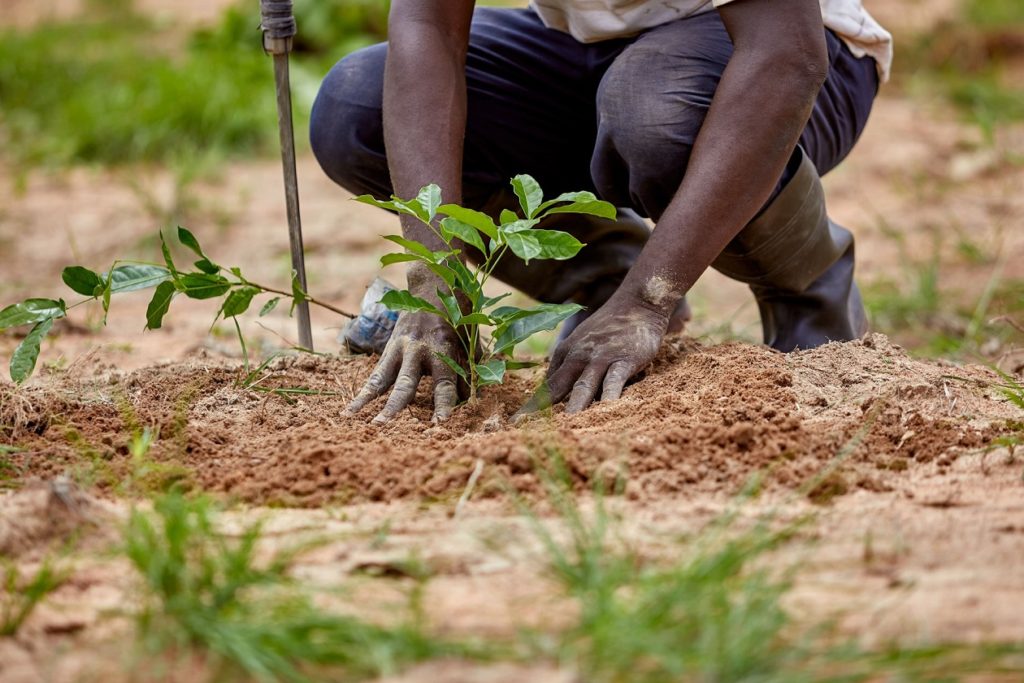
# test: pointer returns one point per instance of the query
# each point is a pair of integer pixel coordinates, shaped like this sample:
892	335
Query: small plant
208	281
18	598
464	306
209	594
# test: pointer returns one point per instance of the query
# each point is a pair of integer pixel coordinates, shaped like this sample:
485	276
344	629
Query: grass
19	597
209	595
114	87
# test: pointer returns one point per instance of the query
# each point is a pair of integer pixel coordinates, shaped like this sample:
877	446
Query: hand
618	341
410	353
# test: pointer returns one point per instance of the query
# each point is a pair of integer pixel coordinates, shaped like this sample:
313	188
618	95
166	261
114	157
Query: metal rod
291	191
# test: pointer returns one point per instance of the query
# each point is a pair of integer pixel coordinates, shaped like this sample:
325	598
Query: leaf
490	301
529	193
443	272
203	286
207	266
567	197
540	318
491	372
132	277
451	307
413	246
453	227
269	306
507	216
298	295
168	259
594	208
475	319
429	198
30	312
520	225
390	259
555	244
456	368
23	362
186	237
520	364
402	300
159	304
82	280
238	301
467	282
479	220
523	245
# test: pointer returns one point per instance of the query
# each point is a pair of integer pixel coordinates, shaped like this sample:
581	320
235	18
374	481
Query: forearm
425	113
759	110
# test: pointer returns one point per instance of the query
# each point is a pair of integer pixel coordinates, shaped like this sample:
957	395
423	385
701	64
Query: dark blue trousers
617	117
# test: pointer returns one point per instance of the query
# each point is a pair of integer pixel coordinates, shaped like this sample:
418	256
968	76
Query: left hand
618	341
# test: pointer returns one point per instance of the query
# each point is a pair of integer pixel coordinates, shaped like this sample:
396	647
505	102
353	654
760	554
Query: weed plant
208	594
20	596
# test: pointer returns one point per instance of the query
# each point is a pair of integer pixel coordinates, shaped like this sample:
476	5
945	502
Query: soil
918	534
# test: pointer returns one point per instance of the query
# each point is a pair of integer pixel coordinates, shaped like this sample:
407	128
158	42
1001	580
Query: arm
424	128
762	104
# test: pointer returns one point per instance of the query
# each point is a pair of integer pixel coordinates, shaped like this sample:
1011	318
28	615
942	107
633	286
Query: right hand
409	355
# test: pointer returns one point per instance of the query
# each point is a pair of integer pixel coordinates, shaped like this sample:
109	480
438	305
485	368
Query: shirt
594	20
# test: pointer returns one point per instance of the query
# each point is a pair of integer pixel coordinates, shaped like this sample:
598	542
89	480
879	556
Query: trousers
616	117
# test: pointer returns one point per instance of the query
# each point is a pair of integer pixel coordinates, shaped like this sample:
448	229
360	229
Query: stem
241	340
315	302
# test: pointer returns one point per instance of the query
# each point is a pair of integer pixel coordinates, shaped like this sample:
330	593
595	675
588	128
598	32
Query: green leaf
168	259
443	272
524	245
186	237
507	314
132	277
413	247
568	197
475	319
540	318
30	312
401	300
594	208
555	244
507	216
23	362
298	295
203	286
429	199
520	364
490	301
491	372
450	362
207	266
82	280
389	259
479	220
159	304
237	302
451	307
467	282
520	225
269	306
453	227
529	193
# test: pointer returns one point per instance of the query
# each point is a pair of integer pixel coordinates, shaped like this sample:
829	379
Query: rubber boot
799	265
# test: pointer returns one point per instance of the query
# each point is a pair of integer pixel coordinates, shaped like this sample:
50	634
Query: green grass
20	596
115	87
208	594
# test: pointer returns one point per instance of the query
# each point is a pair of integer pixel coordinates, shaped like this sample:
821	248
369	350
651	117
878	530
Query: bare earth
918	534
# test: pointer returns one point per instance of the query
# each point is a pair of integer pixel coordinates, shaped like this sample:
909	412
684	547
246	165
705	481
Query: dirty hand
619	340
410	354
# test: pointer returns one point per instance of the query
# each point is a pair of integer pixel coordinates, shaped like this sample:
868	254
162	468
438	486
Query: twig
464	498
315	302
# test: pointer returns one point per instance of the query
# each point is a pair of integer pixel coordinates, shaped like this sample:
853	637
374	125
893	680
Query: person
713	118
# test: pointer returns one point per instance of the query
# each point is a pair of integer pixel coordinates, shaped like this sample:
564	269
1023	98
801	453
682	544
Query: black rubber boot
799	265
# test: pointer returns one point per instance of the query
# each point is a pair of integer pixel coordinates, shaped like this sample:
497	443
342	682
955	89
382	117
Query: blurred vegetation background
116	84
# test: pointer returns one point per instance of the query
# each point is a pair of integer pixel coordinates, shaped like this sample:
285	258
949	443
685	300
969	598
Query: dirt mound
47	514
704	418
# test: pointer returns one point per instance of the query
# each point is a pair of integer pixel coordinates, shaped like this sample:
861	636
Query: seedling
463	304
208	280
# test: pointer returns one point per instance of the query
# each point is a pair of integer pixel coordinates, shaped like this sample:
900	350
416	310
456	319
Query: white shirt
593	20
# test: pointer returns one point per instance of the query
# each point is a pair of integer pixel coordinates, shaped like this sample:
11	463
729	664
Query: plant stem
315	302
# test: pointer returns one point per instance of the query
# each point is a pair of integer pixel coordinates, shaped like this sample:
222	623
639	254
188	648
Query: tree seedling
463	304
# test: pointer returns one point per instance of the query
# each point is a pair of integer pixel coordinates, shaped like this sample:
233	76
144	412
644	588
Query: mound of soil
704	418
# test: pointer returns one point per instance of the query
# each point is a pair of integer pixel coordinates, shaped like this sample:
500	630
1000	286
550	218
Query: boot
799	265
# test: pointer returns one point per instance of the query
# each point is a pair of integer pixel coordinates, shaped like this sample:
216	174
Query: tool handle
277	21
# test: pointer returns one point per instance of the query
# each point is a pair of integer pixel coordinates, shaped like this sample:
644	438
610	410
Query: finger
554	389
586	388
382	377
561	351
446	396
615	380
404	390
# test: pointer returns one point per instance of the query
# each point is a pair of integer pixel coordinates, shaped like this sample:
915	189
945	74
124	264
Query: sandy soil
918	534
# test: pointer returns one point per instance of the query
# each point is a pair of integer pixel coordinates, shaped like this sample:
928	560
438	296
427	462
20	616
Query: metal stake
278	29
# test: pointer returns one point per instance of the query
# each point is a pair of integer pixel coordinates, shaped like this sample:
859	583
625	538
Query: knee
647	124
346	129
